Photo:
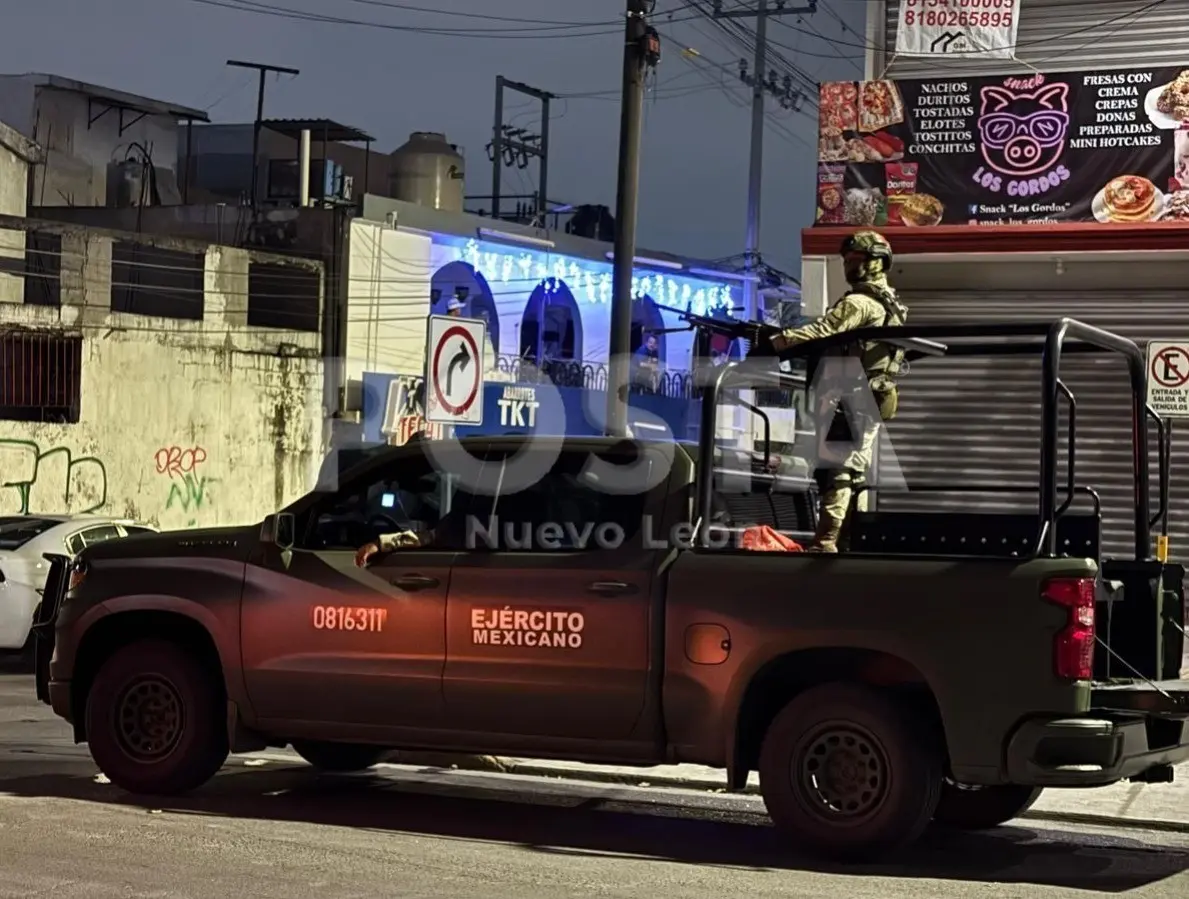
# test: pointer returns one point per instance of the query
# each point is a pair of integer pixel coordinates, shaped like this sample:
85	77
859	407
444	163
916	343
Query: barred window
40	376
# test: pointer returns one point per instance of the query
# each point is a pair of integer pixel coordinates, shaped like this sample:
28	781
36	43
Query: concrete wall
305	232
14	182
182	423
79	151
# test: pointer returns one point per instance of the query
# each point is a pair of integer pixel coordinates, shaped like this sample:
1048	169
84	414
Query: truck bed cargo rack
1051	342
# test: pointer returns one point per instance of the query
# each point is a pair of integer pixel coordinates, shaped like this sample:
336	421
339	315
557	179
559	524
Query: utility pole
641	49
263	70
759	88
515	146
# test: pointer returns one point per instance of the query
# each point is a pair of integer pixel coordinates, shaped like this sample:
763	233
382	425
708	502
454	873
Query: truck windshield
16	532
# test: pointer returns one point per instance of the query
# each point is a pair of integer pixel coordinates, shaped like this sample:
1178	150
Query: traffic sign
454	370
1168	378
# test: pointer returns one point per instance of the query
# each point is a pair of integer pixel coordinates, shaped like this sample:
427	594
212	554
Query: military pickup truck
588	601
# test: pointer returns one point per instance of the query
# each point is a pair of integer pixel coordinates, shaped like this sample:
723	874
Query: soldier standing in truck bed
870	302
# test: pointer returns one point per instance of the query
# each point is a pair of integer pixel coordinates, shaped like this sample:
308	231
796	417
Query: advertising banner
970	29
392	414
1101	146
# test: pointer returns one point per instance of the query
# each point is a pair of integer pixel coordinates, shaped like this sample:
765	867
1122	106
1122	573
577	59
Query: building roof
120	99
15	142
320	129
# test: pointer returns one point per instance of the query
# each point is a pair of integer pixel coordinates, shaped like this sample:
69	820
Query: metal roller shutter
977	420
1066	36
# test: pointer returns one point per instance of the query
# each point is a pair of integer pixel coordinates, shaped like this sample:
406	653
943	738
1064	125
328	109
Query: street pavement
269	826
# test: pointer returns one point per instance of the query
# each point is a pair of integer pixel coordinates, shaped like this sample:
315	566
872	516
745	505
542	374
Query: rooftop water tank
429	171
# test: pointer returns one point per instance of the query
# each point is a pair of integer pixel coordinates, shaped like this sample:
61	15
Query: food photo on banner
1100	146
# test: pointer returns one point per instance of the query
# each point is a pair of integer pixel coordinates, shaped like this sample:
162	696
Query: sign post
454	368
1168	397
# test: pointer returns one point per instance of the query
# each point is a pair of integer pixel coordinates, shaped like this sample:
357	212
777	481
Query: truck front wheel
340	758
849	772
981	808
155	722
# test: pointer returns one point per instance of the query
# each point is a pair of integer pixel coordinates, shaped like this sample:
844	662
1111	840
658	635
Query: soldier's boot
825	540
835	501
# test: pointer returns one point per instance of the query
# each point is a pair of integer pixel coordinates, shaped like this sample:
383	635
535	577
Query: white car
24	539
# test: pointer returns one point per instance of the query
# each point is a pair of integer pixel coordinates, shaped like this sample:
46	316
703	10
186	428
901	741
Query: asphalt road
274	829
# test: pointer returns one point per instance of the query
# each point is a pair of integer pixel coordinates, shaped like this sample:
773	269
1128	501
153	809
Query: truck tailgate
1168	697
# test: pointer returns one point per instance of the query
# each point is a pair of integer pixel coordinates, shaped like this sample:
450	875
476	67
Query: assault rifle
758	334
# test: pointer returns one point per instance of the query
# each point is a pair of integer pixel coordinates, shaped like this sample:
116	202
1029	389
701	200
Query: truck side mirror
285	531
280	530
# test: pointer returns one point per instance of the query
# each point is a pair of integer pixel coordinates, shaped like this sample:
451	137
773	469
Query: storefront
546	298
393	411
1016	198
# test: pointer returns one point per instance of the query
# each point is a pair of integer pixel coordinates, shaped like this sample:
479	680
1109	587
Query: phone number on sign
960	4
348	618
949	18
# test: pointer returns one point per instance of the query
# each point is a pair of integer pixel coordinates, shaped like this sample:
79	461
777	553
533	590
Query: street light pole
755	170
760	85
635	60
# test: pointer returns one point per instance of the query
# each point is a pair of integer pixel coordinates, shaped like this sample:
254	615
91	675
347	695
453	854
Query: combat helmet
871	244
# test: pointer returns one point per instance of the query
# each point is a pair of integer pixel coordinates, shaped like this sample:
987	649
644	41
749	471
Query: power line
521	33
388	4
1124	18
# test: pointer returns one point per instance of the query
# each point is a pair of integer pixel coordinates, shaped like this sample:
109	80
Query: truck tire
341	758
848	772
155	719
981	808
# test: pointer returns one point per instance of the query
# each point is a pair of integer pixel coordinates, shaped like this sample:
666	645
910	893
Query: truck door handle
611	588
415	582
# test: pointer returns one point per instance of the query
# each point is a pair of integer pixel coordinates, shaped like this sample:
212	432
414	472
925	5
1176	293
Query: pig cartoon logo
1023	131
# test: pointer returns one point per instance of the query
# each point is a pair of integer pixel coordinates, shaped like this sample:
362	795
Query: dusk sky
390	81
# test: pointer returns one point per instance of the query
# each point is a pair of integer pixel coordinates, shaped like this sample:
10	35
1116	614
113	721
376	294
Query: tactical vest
882	362
882	359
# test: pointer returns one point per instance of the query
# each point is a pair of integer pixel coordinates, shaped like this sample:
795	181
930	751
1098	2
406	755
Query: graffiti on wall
189	485
37	479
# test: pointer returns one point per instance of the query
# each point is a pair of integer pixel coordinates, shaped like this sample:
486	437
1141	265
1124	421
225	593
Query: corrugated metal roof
320	129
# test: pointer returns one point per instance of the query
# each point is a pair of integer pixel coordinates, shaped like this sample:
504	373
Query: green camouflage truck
590	600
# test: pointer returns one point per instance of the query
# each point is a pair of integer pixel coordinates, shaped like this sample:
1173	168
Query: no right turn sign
1168	378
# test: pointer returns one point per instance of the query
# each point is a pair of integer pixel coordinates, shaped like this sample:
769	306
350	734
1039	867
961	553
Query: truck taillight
1073	647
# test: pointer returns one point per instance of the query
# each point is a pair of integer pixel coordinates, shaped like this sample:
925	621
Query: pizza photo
838	106
880	105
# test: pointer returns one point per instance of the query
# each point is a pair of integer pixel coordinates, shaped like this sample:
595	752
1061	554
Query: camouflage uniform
870	303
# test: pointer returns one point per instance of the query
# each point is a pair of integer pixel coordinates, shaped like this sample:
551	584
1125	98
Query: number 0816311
348	618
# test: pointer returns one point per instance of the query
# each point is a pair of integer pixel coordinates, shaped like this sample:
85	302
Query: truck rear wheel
341	758
848	772
981	808
155	720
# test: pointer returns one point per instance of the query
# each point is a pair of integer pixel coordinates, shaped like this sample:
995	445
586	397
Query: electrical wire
417	277
388	4
1124	18
746	39
567	31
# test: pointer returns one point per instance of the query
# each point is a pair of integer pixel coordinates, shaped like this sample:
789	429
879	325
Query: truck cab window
408	495
566	510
